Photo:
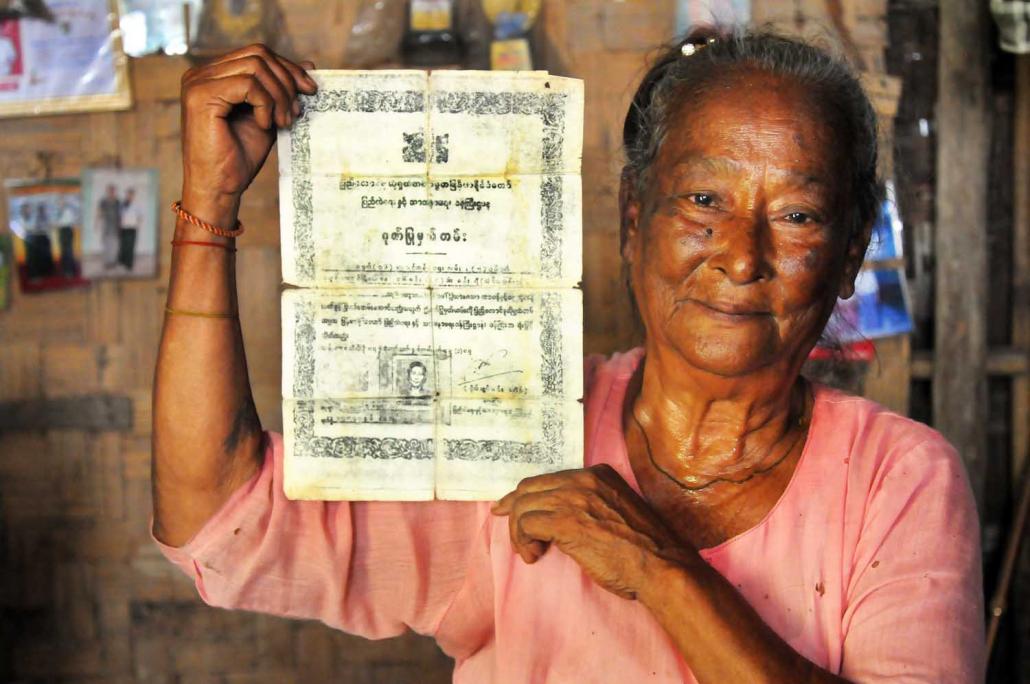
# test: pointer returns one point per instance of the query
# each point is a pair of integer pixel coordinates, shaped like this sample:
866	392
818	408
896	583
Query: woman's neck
701	428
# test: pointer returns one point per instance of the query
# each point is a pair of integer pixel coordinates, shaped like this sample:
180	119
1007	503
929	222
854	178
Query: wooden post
963	142
1021	267
890	374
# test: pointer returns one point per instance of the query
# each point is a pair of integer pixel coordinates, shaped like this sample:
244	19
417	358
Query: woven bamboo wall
84	595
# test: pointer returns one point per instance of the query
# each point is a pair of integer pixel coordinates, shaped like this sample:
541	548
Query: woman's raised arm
207	436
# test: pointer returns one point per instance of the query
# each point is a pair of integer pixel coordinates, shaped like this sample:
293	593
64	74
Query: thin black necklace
650	456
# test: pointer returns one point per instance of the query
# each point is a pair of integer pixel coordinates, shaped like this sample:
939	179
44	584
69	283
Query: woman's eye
702	199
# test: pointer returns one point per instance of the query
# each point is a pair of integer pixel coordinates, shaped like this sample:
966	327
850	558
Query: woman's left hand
593	516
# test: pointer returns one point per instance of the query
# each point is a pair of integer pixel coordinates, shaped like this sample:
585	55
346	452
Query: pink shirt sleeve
915	604
369	568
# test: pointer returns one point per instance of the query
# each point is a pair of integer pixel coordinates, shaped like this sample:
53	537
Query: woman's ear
629	216
853	258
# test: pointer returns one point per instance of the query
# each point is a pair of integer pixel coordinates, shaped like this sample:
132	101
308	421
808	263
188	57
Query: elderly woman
734	523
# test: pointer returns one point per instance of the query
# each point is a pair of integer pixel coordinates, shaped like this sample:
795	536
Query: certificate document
431	226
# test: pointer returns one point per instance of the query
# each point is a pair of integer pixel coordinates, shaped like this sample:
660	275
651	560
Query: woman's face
416	376
738	248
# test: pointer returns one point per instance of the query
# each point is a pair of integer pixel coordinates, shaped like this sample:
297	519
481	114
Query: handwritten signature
490	367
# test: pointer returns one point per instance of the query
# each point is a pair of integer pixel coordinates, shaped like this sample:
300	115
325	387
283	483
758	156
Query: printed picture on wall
11	62
225	24
879	308
885	242
45	218
71	61
6	270
119	223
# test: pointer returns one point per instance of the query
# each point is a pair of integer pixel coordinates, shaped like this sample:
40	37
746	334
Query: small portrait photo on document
413	377
119	222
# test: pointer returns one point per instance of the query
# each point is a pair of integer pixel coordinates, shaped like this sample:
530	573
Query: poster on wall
879	307
229	24
6	270
691	13
119	223
150	26
74	63
885	243
45	218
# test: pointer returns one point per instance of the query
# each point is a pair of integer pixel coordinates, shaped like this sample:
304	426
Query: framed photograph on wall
74	63
45	217
119	222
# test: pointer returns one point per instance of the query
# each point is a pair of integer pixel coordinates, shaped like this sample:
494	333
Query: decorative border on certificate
550	108
304	349
308	445
551	345
392	101
377	448
304	377
551	218
548	450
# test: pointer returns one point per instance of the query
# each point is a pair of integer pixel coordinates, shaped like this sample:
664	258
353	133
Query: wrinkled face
739	248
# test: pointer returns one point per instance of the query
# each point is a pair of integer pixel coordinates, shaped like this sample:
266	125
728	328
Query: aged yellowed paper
432	224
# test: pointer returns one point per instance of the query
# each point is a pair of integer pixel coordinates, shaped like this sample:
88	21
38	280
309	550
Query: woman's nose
739	250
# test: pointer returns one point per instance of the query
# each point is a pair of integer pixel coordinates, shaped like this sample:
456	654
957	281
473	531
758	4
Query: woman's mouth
729	309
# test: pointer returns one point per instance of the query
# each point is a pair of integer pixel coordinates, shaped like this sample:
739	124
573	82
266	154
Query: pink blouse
868	565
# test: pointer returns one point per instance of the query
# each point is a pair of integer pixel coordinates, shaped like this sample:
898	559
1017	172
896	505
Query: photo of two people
120	222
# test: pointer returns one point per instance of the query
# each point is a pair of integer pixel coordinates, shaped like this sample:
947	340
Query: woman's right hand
231	108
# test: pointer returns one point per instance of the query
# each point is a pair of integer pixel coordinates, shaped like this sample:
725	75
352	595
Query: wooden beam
1021	266
960	278
1001	361
90	412
883	264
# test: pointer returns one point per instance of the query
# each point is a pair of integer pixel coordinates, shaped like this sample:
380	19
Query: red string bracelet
193	220
228	248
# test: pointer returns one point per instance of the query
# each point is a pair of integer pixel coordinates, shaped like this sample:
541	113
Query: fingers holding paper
231	108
